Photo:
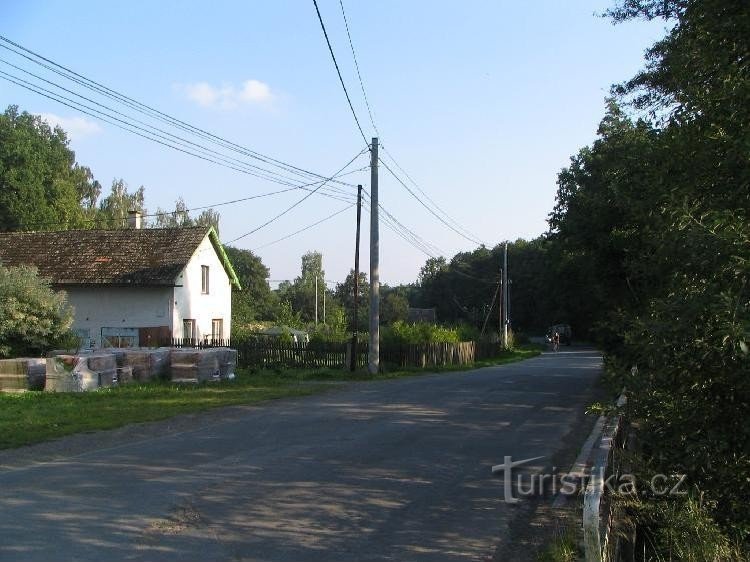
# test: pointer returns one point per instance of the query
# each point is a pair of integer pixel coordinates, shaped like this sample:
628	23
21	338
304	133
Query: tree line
654	216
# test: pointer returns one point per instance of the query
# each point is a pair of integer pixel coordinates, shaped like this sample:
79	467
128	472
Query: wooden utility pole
374	360
316	298
505	296
355	334
500	306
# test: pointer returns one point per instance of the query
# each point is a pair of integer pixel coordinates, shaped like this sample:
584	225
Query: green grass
33	417
563	547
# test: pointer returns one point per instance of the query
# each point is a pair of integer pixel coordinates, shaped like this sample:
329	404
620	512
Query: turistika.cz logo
570	484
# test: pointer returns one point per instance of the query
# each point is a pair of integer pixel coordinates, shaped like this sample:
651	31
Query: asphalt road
394	470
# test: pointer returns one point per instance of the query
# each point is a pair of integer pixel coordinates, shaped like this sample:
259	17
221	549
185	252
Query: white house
134	286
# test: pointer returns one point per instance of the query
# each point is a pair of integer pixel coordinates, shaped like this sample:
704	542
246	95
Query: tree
394	307
255	301
114	209
431	269
301	294
209	217
33	317
41	187
344	294
659	208
180	217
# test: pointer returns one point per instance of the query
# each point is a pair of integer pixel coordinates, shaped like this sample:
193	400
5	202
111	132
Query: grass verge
563	547
33	417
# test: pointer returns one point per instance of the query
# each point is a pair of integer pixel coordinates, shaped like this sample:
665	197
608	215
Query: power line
430	199
148	110
106	220
173	138
408	235
207	153
465	233
338	71
174	144
441	219
356	65
304	228
300	201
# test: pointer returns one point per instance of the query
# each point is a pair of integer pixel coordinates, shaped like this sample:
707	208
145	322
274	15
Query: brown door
154	337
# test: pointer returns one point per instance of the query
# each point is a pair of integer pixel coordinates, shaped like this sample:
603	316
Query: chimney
134	219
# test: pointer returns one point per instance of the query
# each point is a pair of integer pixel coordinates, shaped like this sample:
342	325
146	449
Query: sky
481	102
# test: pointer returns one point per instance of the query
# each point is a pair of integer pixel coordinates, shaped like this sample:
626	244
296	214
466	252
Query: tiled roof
150	256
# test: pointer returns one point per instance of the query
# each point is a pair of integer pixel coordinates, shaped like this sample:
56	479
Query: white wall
190	303
119	307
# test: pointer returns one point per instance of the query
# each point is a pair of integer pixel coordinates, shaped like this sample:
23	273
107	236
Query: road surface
394	470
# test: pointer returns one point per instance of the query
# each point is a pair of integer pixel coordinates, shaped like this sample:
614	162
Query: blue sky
482	102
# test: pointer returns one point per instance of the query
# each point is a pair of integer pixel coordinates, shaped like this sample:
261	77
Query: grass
33	417
563	547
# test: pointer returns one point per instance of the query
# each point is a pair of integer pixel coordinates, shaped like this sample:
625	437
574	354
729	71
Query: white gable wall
190	303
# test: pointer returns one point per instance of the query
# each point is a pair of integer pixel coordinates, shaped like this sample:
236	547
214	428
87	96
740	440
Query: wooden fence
268	352
265	353
194	343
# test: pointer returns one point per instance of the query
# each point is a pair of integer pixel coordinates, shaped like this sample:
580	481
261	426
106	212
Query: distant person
556	341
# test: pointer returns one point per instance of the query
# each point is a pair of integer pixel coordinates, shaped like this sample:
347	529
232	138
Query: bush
681	528
401	333
467	332
33	317
334	331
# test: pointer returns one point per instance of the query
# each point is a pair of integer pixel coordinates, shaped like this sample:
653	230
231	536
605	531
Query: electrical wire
356	65
106	220
166	135
441	219
304	228
430	199
466	233
338	71
133	129
187	146
146	109
405	233
300	201
492	305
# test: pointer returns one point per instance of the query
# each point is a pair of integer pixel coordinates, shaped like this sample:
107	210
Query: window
204	279
188	329
217	329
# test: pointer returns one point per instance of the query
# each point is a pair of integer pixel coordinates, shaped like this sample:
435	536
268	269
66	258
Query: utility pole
505	296
325	287
374	359
500	306
353	365
316	298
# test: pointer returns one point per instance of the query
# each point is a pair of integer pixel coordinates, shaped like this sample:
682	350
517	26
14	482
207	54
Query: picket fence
265	353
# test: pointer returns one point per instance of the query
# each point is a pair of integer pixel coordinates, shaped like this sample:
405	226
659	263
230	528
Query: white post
374	358
505	296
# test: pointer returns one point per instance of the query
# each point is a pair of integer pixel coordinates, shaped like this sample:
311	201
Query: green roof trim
214	237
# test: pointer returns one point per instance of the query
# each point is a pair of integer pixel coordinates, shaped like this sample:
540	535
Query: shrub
401	333
33	317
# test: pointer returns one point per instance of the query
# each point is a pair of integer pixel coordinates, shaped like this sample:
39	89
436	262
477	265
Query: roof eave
214	237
